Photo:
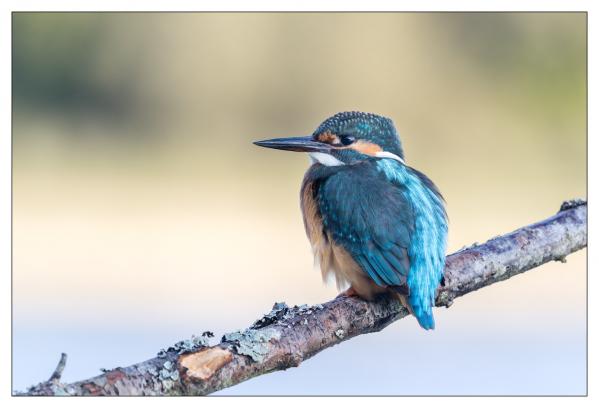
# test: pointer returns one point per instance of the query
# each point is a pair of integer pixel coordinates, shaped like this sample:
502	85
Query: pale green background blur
143	213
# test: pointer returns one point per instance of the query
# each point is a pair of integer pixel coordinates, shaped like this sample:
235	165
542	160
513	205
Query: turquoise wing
371	219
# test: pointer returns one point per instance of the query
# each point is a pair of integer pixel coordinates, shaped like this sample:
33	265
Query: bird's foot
348	293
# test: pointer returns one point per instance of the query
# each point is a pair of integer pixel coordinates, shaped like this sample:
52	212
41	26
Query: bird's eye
346	140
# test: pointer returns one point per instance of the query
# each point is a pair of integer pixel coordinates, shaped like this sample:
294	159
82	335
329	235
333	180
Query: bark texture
286	336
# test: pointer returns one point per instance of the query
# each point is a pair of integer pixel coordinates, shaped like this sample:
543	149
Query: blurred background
143	214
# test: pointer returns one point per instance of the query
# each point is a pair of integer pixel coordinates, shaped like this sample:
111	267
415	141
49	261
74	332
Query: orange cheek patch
367	148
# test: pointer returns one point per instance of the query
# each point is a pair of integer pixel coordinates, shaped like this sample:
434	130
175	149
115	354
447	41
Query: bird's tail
424	316
422	313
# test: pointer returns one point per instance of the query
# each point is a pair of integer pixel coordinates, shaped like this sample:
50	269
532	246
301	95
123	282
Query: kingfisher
376	225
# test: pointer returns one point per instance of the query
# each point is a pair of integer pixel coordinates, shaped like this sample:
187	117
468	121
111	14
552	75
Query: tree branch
286	336
55	377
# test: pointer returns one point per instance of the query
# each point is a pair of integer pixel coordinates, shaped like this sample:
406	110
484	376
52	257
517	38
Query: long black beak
295	144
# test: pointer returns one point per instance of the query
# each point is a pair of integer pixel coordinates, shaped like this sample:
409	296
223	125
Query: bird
375	224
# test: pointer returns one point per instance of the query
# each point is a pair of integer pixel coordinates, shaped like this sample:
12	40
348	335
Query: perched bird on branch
374	222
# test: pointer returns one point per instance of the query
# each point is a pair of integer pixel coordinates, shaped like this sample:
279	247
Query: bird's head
345	138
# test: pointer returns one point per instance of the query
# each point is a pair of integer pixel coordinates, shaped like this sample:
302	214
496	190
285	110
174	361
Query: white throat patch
325	159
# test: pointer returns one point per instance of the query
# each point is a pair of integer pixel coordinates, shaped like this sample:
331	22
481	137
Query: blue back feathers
428	243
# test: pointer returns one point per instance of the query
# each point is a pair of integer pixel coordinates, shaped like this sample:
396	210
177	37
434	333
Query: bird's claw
348	293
